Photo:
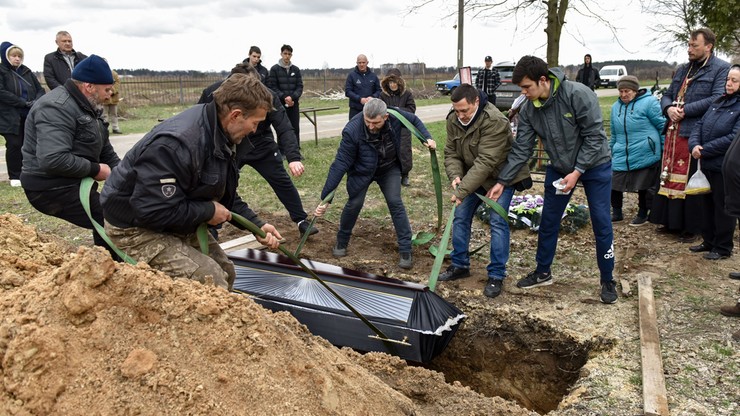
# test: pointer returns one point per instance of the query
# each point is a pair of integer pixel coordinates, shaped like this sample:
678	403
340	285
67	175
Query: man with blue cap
66	141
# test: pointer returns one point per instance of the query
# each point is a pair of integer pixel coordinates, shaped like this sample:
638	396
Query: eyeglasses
361	62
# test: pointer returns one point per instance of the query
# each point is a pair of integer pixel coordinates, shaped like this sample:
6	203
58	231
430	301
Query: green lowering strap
260	233
435	164
202	233
310	225
494	205
85	188
441	251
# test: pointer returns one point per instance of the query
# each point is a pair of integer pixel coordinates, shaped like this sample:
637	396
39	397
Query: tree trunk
555	20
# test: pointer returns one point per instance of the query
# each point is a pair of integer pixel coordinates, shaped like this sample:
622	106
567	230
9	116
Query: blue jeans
499	233
390	185
597	182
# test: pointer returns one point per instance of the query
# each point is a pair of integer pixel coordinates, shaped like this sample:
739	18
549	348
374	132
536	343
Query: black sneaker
303	226
339	251
639	221
493	288
453	273
609	292
405	262
535	279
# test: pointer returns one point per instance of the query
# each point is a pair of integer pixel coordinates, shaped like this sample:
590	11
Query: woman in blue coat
636	144
709	141
19	88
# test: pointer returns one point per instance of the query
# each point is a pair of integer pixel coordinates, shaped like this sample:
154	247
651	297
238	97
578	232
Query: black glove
29	104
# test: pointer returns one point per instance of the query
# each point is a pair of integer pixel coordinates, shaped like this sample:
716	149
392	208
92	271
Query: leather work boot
730	310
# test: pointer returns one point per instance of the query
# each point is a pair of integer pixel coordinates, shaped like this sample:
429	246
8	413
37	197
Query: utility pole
460	20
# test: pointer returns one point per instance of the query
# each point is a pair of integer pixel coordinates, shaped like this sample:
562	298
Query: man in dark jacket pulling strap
368	153
66	141
567	117
260	151
182	174
59	64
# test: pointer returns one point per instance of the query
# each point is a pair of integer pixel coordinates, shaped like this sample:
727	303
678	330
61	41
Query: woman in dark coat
395	94
19	88
709	142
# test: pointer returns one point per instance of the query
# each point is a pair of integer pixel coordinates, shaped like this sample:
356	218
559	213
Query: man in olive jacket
478	141
567	117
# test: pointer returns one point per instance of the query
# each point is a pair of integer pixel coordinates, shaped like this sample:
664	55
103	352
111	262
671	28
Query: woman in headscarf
19	88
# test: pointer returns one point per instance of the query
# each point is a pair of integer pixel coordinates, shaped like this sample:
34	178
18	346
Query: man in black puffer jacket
183	174
285	79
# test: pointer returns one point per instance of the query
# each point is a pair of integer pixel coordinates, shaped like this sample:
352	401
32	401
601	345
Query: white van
610	74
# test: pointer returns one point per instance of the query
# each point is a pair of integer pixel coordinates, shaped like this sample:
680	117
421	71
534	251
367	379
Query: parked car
610	74
507	92
446	87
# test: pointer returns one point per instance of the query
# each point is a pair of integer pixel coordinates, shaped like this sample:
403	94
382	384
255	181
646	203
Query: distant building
416	68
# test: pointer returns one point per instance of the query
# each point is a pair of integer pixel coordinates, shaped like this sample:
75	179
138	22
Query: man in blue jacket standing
362	85
567	117
369	152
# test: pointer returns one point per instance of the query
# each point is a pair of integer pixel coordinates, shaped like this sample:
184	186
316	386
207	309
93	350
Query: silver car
507	92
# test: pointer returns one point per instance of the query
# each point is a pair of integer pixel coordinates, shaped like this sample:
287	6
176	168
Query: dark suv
507	92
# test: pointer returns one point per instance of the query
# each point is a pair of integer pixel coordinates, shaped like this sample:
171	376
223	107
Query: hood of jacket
4	53
398	80
557	76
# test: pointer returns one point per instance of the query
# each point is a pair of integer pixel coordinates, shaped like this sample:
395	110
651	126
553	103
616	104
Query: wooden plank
655	398
248	241
626	289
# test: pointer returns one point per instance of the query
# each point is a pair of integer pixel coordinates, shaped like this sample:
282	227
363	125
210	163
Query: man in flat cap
66	141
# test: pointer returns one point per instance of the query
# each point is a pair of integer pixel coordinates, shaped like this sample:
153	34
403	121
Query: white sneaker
15	183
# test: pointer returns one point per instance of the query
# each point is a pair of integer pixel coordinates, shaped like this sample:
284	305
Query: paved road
328	126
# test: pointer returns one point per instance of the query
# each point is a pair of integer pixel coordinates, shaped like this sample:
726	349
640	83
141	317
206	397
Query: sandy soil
82	332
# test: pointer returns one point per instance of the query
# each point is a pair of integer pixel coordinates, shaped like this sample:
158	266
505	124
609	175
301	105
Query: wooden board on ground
248	241
655	398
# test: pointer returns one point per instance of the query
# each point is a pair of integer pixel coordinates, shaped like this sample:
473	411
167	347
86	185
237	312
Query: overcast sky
215	35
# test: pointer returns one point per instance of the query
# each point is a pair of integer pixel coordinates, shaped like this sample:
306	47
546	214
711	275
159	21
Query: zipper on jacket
626	140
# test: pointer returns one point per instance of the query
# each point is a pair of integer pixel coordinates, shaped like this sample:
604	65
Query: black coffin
403	311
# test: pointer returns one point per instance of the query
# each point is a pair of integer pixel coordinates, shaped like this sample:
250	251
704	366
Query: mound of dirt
80	332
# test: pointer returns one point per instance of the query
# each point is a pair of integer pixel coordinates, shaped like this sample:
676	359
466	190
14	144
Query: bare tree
676	19
529	14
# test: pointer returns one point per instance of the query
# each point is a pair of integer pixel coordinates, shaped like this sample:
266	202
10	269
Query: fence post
182	90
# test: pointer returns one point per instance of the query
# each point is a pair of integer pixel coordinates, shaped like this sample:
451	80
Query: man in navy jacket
361	86
369	153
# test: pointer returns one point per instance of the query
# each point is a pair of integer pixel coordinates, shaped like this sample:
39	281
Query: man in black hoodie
588	75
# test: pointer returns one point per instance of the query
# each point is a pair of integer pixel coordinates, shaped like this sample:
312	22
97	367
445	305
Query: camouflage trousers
178	256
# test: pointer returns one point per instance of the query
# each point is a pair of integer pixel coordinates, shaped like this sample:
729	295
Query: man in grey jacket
66	141
567	117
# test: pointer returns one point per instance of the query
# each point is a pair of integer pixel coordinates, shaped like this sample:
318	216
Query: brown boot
730	310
